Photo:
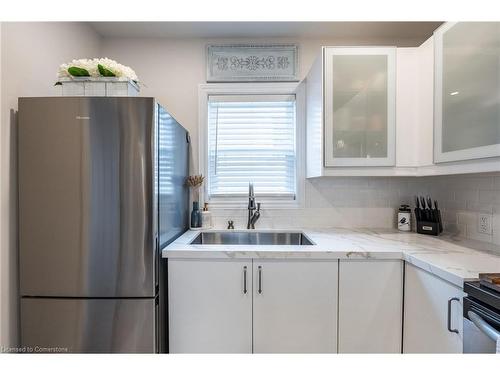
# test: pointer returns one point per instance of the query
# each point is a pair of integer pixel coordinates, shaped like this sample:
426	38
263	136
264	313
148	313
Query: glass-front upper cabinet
359	106
467	91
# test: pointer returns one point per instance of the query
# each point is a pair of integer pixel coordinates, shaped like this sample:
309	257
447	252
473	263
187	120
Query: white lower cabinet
432	314
310	306
209	311
295	306
370	306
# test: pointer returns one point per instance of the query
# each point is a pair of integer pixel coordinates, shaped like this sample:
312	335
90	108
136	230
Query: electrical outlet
484	223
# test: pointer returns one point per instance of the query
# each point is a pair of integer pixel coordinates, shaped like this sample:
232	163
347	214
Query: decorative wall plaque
252	62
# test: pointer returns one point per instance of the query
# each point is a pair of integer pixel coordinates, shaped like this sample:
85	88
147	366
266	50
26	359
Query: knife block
428	227
428	221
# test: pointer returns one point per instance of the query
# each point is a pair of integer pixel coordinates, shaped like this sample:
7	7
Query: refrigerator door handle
157	325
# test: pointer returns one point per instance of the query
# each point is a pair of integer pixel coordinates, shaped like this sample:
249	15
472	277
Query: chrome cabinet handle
449	314
245	280
484	327
260	279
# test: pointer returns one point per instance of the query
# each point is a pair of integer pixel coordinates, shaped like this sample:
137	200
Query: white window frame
292	88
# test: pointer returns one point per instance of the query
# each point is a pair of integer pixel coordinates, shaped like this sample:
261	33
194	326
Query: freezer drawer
88	325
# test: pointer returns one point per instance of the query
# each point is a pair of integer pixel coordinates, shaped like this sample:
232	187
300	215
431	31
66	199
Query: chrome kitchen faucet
252	216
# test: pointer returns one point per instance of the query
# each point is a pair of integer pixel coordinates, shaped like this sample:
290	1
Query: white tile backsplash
372	202
348	202
463	197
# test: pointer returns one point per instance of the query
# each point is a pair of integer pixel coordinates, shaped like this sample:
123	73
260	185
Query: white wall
30	56
172	69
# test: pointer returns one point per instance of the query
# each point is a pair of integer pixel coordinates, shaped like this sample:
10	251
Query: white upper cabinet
360	98
467	91
413	111
352	112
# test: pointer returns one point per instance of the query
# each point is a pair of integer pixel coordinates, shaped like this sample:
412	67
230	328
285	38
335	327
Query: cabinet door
370	306
426	314
210	306
295	306
360	111
467	91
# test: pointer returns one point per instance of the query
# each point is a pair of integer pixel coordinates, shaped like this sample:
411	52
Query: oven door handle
484	327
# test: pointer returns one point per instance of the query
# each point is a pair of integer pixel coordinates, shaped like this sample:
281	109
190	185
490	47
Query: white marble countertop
453	259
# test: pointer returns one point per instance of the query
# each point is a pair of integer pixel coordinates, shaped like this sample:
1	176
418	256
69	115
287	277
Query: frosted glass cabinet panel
359	106
467	91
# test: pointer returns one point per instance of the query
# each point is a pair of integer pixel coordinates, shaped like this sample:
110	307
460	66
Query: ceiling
408	32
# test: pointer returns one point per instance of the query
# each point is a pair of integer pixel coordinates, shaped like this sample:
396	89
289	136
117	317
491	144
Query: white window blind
251	138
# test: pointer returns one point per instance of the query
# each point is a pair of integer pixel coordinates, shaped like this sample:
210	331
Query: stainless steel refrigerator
101	192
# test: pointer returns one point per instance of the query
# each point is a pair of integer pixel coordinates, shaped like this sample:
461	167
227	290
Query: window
251	139
252	132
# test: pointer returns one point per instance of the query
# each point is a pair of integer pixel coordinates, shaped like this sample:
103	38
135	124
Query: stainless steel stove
482	315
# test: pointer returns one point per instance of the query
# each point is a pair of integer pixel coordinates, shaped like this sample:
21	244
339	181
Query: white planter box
105	86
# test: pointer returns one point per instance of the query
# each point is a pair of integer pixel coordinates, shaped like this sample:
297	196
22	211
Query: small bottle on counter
206	217
404	218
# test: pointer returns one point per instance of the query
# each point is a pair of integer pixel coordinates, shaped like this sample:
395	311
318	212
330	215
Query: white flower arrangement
97	67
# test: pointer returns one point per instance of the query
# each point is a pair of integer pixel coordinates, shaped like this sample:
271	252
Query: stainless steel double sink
251	238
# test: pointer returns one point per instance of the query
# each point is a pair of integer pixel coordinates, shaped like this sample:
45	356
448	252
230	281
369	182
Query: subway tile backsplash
462	198
372	202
